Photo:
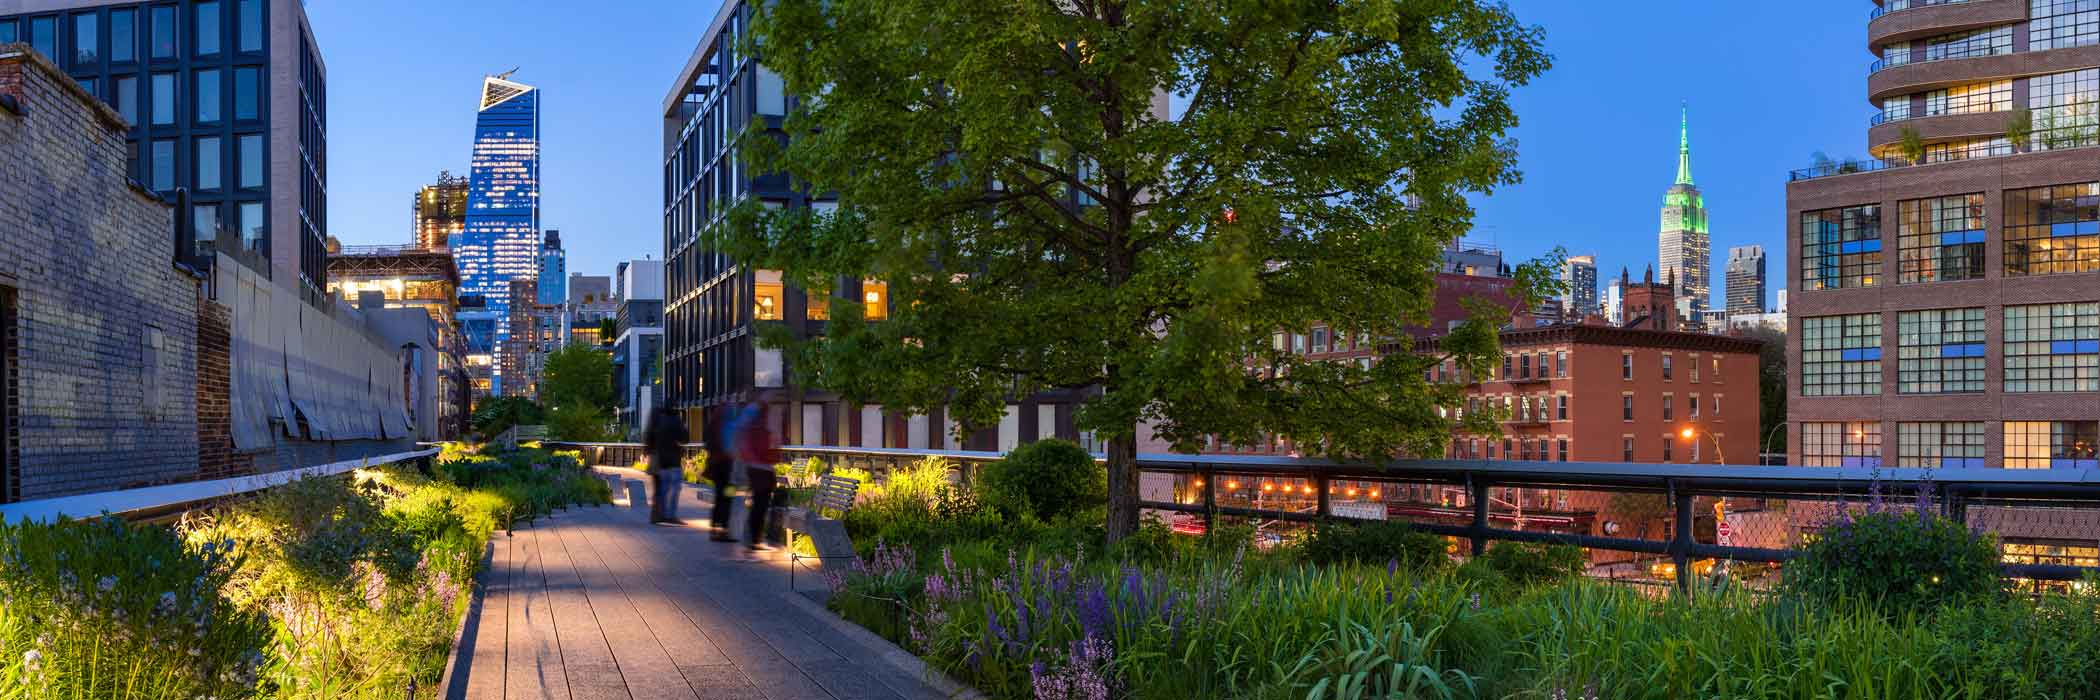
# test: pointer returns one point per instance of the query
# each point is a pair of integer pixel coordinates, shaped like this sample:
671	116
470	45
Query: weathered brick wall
107	325
216	458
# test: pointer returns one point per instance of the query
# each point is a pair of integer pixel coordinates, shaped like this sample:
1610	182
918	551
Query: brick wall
216	458
107	325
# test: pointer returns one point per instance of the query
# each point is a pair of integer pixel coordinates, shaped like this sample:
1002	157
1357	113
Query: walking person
665	439
718	434
757	450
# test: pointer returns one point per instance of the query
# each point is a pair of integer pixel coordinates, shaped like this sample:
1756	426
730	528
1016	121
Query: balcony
1914	77
1928	18
1885	133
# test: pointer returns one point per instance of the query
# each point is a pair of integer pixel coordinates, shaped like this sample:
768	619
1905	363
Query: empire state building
1682	247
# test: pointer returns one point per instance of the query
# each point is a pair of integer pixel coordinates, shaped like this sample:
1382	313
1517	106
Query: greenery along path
596	603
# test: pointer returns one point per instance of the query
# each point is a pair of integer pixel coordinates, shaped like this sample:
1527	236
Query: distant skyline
1596	142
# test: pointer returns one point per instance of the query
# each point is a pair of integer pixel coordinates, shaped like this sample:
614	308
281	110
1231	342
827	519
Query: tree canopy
1133	197
578	374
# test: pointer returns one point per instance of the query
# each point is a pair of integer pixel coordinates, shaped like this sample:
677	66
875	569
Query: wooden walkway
596	603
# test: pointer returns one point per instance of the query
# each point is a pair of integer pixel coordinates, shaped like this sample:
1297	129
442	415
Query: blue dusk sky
1767	84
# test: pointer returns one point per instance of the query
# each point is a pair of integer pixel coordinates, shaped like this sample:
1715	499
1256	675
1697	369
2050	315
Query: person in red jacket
758	450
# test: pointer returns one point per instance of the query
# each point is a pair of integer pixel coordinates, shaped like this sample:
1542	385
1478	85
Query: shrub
1046	479
1375	542
1529	563
1896	561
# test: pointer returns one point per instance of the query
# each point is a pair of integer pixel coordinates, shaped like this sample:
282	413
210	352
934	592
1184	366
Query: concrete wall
106	324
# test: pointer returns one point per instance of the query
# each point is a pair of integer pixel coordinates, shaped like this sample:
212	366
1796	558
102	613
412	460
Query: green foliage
1912	145
1324	155
1771	396
578	375
1530	564
2019	128
1375	543
496	414
578	422
1044	479
1898	562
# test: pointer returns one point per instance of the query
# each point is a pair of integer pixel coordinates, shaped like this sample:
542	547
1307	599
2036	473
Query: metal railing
1880	10
1980	497
156	501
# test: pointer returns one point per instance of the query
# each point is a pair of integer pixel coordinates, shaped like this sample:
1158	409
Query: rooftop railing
1736	513
1901	5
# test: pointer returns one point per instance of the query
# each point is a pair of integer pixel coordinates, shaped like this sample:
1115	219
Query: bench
834	495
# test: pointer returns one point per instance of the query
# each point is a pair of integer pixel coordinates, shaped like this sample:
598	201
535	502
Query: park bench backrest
835	493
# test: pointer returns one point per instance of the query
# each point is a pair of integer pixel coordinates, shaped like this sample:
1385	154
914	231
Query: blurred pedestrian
718	434
757	451
665	440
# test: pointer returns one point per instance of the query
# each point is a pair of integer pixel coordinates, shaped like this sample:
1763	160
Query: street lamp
1689	433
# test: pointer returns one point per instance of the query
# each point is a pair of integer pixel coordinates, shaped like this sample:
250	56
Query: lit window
1940	239
2052	444
1995	96
1853	444
2051	230
1841	355
1940	351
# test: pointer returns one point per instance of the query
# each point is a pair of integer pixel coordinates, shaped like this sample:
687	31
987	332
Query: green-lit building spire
1684	145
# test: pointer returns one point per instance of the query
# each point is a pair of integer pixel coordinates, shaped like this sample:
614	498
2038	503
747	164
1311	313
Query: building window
1940	445
1319	340
1841	355
206	219
1980	147
123	36
1524	366
2056	24
1626	449
163	165
208	152
207	25
251	146
1940	351
1940	239
255	232
207	96
2051	230
1841	248
1717	406
127	99
1508	367
1982	42
251	29
2071	553
1560	411
1994	96
1560	364
8	33
87	40
2052	347
1716	374
1626	366
2058	444
1693	403
1669	448
1626	408
1855	444
1666	366
43	35
163	32
1560	450
1669	407
1693	363
247	91
163	98
2064	109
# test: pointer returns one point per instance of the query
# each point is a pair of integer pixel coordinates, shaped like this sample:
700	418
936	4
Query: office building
421	279
225	98
1682	247
1746	280
590	305
638	342
1472	259
1579	273
500	242
1948	312
1614	295
554	270
439	214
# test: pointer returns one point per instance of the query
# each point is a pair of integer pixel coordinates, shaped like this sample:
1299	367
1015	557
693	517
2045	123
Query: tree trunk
1122	486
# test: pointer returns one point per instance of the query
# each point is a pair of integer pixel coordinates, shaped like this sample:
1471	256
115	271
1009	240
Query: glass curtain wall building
226	98
500	241
554	271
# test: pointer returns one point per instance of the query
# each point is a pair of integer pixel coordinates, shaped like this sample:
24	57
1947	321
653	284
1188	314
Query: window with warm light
2063	444
1841	248
1854	444
875	299
766	302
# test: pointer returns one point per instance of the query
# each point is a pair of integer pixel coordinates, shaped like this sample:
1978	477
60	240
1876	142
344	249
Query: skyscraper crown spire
1684	145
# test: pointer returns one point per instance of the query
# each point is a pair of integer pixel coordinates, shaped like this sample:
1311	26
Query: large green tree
578	375
1046	216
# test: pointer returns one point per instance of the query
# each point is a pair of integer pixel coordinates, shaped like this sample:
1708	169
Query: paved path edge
891	655
452	683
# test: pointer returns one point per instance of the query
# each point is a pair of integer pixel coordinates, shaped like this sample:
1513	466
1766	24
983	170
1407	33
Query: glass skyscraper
501	240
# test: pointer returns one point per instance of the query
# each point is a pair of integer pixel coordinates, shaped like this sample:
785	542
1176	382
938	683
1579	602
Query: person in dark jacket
758	450
665	440
721	467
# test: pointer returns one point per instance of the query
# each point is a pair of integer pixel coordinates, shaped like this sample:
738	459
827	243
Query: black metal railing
1459	499
1880	10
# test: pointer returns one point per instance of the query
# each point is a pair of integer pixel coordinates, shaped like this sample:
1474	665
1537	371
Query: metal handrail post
1478	491
1324	508
1210	500
1681	540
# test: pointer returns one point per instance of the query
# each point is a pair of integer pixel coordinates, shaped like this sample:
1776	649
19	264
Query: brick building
141	368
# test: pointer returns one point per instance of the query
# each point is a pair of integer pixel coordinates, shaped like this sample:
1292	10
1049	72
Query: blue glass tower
501	239
554	271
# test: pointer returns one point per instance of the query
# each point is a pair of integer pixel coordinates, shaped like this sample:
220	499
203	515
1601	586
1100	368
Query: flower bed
325	588
1021	607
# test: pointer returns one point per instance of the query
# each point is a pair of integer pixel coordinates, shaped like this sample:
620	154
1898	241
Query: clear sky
1768	83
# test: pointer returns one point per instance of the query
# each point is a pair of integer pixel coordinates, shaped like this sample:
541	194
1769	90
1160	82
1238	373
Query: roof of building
1585	334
